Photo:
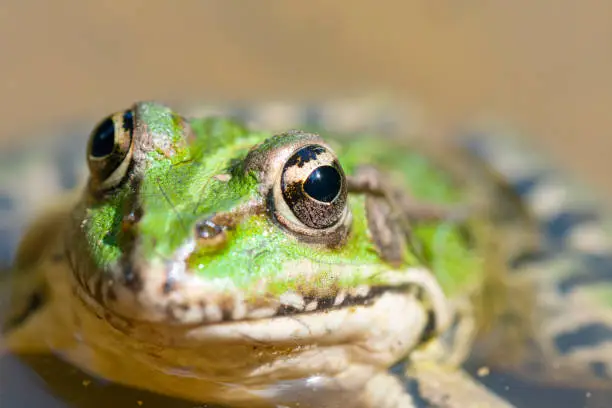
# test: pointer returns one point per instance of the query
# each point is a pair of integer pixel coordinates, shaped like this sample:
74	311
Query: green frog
215	260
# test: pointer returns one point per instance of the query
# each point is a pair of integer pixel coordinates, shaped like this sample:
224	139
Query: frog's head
204	222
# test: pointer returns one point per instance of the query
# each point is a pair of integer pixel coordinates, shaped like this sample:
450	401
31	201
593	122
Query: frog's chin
258	355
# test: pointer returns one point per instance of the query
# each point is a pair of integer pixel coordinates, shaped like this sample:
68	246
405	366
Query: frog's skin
194	278
568	269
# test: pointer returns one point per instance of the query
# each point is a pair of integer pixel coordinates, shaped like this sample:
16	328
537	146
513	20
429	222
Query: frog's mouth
192	302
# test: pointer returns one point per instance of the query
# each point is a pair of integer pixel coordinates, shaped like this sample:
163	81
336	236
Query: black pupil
323	184
103	139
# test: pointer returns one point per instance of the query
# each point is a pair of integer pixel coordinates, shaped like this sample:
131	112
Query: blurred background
543	66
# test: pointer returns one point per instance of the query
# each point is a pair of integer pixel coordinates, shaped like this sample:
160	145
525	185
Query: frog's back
568	271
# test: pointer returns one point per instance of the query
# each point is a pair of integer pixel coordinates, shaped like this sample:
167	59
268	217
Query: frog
206	259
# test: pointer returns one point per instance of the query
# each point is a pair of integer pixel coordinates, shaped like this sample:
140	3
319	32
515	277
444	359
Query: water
528	395
45	381
48	382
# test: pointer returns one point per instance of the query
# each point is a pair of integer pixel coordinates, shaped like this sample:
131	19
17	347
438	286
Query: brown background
544	65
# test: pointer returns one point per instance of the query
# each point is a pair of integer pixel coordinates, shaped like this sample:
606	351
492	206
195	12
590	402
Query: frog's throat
198	305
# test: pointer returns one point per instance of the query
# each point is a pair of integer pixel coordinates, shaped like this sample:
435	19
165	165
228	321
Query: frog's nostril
207	229
210	234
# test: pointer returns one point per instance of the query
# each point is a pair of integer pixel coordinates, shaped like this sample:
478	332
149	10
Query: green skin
259	302
179	189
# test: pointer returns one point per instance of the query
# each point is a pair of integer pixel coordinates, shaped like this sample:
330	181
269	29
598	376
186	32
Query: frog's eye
110	148
314	188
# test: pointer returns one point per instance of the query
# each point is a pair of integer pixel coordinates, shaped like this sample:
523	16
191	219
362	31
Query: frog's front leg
420	385
35	295
441	386
392	213
426	385
36	318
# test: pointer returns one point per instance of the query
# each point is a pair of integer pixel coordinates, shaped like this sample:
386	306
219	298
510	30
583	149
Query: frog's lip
196	302
381	318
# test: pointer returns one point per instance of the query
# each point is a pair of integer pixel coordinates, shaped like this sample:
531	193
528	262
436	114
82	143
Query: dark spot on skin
35	302
410	385
467	235
304	155
590	335
399	368
308	299
430	327
326	302
103	140
529	257
557	228
386	231
524	186
286	310
109	238
589	270
600	370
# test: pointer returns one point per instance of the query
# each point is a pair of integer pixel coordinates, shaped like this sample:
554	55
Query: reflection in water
49	382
